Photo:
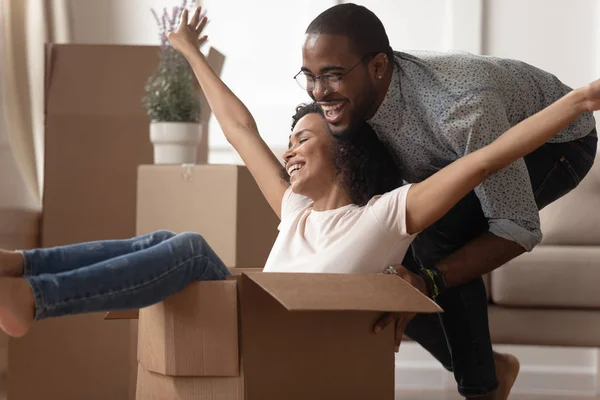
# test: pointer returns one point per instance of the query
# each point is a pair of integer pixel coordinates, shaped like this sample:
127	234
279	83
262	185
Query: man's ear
380	65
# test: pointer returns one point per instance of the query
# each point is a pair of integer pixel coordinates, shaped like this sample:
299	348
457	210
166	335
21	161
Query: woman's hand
188	37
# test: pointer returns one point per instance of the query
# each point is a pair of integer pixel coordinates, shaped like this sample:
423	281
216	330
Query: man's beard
355	126
352	131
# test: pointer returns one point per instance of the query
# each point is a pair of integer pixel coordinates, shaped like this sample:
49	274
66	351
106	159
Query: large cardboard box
221	202
96	134
272	336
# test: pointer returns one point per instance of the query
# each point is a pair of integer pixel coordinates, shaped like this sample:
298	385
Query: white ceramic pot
175	142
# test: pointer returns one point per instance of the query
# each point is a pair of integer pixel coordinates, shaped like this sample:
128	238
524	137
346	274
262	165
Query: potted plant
171	100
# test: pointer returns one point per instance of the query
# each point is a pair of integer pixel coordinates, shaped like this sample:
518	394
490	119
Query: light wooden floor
452	396
407	395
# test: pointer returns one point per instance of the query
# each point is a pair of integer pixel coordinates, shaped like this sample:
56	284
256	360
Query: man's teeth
329	108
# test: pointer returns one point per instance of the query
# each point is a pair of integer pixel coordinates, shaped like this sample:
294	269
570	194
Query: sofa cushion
542	327
550	276
574	219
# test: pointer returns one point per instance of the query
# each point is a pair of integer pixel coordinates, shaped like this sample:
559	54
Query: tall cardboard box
272	336
96	134
221	202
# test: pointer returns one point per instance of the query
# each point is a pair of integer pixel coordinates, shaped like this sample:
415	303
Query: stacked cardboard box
257	336
221	202
96	134
267	336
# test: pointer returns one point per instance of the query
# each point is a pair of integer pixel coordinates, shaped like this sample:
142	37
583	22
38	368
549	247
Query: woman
328	224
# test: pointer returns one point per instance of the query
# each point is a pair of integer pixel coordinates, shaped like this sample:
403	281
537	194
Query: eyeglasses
330	82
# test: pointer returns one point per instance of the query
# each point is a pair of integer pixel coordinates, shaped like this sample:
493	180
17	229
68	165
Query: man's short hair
359	24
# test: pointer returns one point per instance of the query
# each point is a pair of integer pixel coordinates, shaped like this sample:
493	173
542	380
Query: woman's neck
335	197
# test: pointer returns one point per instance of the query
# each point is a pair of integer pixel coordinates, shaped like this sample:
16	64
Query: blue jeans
459	338
117	274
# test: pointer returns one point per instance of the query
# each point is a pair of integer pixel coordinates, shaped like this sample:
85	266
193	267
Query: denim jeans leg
557	168
58	259
133	280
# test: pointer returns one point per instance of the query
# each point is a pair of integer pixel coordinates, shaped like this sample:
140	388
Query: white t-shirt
349	239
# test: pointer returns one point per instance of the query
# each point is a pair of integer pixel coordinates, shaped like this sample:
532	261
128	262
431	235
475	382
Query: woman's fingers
200	26
184	18
195	18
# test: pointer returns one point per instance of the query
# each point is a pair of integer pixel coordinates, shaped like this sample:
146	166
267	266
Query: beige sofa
551	296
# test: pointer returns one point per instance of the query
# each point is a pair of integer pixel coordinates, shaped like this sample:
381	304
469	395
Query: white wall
116	21
262	39
559	36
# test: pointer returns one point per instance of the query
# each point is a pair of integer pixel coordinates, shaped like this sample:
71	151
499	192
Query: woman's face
309	160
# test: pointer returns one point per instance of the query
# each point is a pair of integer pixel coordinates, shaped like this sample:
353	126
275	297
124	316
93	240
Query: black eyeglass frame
326	85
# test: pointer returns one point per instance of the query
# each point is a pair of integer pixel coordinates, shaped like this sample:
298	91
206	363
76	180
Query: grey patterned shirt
441	106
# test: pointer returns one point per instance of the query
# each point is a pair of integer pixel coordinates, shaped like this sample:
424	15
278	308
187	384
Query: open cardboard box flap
343	292
331	292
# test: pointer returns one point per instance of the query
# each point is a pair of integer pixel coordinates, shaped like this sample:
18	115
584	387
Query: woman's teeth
294	168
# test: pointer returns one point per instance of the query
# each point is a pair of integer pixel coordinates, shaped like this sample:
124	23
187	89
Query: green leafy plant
170	93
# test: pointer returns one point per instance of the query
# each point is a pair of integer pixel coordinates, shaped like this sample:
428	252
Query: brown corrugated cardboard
321	354
192	334
342	292
122	314
153	386
286	352
221	202
96	134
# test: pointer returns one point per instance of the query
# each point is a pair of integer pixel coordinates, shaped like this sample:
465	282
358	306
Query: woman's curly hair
366	168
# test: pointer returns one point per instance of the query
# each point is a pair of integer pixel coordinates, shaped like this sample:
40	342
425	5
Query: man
430	109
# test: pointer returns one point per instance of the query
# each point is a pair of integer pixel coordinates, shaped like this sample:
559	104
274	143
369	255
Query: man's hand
188	37
401	320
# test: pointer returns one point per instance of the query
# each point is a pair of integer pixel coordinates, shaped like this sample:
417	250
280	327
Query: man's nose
319	91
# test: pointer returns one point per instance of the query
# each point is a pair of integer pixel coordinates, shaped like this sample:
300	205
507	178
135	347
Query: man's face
355	97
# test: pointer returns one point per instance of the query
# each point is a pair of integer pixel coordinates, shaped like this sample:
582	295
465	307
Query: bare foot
17	306
11	263
507	369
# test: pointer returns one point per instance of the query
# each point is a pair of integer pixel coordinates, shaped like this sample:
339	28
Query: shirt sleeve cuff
510	230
